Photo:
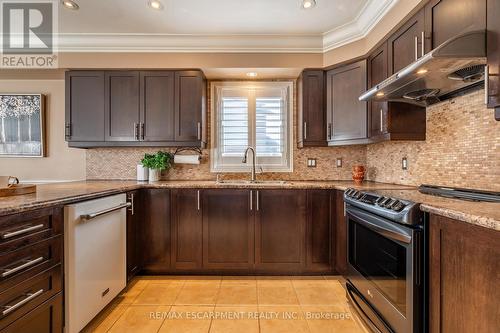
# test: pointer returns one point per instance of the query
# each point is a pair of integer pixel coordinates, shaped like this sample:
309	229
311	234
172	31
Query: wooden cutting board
18	189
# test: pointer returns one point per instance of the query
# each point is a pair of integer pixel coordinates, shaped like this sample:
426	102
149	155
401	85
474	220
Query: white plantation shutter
256	114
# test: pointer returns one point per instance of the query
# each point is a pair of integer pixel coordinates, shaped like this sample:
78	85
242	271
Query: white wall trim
369	16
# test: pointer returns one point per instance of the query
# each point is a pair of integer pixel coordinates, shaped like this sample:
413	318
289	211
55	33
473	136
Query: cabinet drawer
46	318
18	230
24	297
16	266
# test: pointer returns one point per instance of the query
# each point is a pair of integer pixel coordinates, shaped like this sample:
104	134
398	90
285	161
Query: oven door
384	269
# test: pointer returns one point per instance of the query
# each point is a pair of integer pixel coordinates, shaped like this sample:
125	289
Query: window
251	114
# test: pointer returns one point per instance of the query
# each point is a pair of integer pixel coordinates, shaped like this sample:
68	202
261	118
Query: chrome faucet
253	178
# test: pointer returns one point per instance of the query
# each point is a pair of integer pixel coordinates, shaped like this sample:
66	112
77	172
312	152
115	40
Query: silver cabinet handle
305	130
329	131
132	203
10	308
67	131
416	48
198	129
381	121
87	217
257	200
136	131
251	200
22	231
486	84
198	204
345	208
142	131
423	43
21	267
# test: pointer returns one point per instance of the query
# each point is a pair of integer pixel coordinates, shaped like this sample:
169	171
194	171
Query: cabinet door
463	277
156	231
318	233
157	106
445	19
134	229
377	72
347	114
405	45
189	106
46	318
280	226
228	229
122	105
84	106
493	53
187	227
312	113
340	234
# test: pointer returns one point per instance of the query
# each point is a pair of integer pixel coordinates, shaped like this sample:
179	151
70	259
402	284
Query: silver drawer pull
10	308
105	211
21	267
22	231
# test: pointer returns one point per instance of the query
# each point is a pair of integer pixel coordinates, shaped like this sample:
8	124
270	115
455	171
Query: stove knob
389	203
384	202
349	191
398	207
379	200
358	194
394	204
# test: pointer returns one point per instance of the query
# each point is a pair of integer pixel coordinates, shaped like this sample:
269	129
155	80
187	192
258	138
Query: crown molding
357	29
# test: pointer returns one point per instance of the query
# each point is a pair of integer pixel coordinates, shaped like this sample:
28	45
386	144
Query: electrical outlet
404	163
311	162
339	162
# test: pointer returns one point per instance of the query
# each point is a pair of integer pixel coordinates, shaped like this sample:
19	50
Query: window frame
216	162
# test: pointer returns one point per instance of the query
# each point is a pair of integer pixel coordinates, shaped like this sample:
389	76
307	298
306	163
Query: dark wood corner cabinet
135	108
463	274
31	283
311	117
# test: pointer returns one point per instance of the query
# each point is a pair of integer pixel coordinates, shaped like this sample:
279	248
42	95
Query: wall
462	149
106	163
61	163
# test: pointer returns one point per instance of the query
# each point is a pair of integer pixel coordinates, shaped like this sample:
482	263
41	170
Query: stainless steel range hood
455	64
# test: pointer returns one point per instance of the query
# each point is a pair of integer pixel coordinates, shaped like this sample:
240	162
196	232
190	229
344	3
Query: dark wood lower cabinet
280	226
156	231
464	274
340	232
319	231
134	228
228	229
187	226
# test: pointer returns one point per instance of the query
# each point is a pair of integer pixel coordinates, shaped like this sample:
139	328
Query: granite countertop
479	213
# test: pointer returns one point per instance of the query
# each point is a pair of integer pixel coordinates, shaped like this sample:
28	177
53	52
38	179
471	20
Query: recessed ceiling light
380	94
70	4
252	74
155	4
308	4
422	71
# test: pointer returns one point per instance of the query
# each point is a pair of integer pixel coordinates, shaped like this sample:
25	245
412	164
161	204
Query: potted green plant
157	163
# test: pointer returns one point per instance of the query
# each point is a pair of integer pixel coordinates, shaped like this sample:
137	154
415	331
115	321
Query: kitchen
212	167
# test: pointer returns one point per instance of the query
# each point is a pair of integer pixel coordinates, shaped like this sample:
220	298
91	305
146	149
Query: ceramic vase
142	173
358	173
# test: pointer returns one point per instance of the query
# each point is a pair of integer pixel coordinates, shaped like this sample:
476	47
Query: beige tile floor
229	304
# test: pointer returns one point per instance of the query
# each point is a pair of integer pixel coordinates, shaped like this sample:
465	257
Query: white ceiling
216	25
208	17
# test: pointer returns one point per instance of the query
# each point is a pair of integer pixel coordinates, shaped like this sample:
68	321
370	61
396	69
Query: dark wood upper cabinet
405	45
121	105
155	231
463	277
190	100
319	231
377	72
187	227
84	106
445	19
493	54
137	108
346	114
311	117
157	106
279	231
228	229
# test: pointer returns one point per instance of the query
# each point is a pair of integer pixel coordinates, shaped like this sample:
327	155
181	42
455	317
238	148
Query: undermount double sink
253	182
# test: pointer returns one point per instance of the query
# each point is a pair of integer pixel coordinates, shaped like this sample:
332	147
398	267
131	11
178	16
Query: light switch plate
404	163
311	162
339	162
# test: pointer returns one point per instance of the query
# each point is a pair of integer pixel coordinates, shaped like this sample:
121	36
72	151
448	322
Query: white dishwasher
94	257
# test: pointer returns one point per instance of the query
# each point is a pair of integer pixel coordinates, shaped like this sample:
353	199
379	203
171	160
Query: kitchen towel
187	159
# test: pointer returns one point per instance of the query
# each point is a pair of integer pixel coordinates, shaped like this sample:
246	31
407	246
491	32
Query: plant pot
154	175
142	173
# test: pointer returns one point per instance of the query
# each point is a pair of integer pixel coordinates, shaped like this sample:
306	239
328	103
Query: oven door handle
387	229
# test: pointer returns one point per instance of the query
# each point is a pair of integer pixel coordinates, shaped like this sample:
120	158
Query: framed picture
22	125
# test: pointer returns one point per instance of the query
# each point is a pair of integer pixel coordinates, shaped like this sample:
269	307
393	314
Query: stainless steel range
386	278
